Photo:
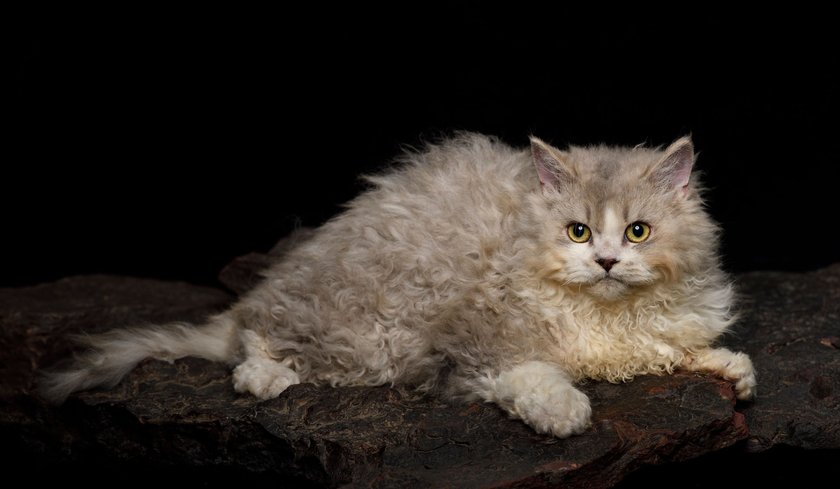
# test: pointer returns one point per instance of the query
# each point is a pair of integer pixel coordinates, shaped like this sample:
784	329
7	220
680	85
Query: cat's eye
579	233
637	232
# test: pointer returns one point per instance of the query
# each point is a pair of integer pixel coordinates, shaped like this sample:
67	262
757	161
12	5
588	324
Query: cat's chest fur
614	345
651	333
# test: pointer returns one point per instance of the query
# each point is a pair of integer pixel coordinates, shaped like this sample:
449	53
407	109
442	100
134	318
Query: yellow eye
637	232
579	233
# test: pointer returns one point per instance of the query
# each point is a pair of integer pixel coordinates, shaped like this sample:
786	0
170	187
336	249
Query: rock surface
185	417
791	329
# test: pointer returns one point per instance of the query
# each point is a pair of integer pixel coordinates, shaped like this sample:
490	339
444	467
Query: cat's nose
606	263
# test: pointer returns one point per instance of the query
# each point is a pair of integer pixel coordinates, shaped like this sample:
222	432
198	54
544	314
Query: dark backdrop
165	143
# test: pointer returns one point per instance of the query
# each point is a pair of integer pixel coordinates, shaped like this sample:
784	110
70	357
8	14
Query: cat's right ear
550	166
674	169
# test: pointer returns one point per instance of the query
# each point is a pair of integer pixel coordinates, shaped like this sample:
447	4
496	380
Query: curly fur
454	273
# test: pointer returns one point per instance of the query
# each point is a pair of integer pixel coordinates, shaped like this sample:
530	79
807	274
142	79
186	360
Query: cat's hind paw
265	379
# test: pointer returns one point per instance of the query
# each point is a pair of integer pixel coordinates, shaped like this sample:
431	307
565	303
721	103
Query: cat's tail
111	355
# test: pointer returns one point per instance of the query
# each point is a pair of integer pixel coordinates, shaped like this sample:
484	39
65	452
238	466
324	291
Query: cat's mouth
609	287
611	278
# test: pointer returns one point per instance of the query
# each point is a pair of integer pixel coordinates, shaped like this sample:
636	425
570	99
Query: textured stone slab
185	416
791	329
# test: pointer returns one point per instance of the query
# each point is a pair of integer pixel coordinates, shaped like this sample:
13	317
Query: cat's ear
551	165
673	171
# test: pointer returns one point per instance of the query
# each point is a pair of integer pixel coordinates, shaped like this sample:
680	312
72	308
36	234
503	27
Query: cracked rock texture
183	420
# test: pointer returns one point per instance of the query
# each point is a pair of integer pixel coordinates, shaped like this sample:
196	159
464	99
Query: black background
165	143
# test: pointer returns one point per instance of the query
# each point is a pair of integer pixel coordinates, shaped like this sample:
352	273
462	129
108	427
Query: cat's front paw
745	388
740	369
265	379
734	366
542	396
560	410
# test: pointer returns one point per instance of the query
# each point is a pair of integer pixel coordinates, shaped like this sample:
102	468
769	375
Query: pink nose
606	263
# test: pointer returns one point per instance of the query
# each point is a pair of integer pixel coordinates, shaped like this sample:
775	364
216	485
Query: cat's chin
608	289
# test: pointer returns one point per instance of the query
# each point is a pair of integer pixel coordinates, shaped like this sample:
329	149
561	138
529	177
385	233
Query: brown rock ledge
185	419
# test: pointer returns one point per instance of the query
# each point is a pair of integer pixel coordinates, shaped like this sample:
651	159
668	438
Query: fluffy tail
111	355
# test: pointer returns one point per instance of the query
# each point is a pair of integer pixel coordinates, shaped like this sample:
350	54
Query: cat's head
617	220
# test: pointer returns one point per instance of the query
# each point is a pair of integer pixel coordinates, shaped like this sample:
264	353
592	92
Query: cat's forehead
609	165
612	181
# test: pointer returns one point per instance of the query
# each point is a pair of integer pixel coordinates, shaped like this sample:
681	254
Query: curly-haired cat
478	271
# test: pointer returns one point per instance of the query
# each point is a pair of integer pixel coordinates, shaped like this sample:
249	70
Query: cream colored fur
455	274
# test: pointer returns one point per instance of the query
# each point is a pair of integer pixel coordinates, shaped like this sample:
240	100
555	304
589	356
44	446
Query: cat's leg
734	366
260	374
542	395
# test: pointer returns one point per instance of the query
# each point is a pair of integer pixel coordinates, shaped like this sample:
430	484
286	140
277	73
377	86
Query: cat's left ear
674	169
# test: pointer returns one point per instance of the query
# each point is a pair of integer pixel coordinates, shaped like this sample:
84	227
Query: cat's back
469	180
435	213
427	229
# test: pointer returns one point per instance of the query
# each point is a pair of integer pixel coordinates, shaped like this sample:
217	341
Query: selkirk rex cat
477	271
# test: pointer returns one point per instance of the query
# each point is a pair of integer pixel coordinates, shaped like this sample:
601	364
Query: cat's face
619	219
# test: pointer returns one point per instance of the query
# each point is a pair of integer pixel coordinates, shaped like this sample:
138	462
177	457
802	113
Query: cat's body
461	272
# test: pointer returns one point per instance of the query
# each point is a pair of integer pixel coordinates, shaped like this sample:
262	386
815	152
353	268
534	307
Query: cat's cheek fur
571	264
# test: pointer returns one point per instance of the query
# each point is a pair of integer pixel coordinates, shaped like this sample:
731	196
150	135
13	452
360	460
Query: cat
477	271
